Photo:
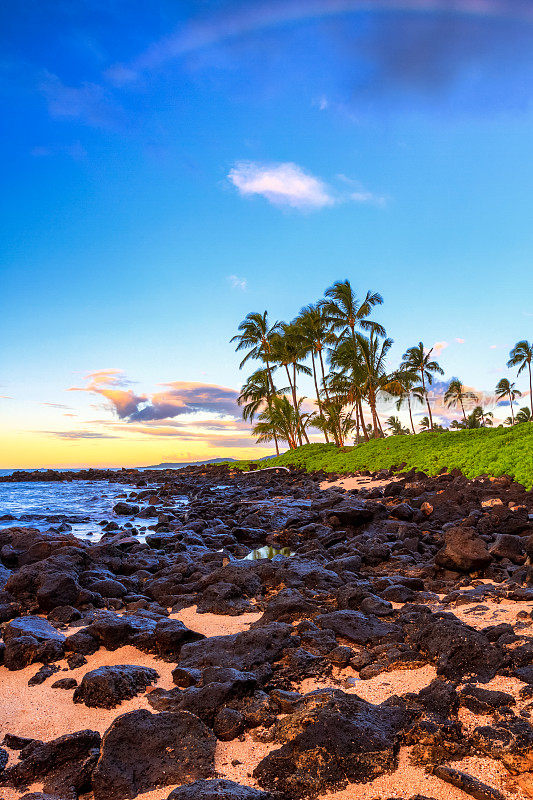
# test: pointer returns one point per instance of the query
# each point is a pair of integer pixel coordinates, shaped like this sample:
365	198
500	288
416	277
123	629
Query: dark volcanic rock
219	789
64	765
58	590
243	651
65	683
39	628
333	738
349	512
126	509
456	649
484	701
357	627
463	550
107	687
467	783
142	751
170	635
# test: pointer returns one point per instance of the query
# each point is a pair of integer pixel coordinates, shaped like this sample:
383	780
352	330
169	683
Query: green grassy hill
500	451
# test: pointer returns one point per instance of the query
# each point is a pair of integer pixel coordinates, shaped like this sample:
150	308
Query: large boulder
357	627
457	650
463	551
331	739
58	590
143	751
63	765
219	789
107	687
29	639
125	509
243	651
509	546
37	627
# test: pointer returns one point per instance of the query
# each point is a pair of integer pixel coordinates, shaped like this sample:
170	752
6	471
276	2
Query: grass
485	451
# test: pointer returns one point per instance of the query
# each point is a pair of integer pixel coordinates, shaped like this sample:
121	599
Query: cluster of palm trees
338	343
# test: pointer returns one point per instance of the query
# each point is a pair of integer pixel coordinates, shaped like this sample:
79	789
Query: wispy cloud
89	103
282	184
438	347
76	151
5	397
238	283
459	340
77	435
212	29
359	194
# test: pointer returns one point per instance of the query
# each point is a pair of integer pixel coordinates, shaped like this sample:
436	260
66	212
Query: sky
170	166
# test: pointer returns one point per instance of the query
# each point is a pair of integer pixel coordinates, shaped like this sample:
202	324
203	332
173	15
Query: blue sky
169	167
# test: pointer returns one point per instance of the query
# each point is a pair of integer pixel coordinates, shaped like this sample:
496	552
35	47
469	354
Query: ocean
81	505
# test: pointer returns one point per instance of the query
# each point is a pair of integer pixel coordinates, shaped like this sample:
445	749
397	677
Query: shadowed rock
107	687
143	751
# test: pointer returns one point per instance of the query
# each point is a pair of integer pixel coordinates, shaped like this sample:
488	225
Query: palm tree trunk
373	409
301	426
427	401
462	408
318	396
324	384
356	422
511	404
365	432
530	388
294	403
410	412
271	382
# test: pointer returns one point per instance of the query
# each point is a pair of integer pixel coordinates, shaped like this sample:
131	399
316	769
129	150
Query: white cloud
284	184
364	196
359	194
459	340
238	283
438	347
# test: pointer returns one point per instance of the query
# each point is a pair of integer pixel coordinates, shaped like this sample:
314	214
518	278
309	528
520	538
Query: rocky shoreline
389	656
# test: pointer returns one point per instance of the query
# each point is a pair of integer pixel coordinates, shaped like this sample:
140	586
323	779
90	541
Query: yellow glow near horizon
27	450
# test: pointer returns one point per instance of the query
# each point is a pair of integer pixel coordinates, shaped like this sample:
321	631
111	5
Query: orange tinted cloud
111	384
177	398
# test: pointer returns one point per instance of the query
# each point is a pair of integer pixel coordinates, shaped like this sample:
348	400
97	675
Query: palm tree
486	417
456	424
396	428
255	336
425	424
289	350
479	418
456	394
346	313
346	384
373	354
524	415
522	354
280	420
506	389
416	359
403	386
255	394
314	330
336	421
